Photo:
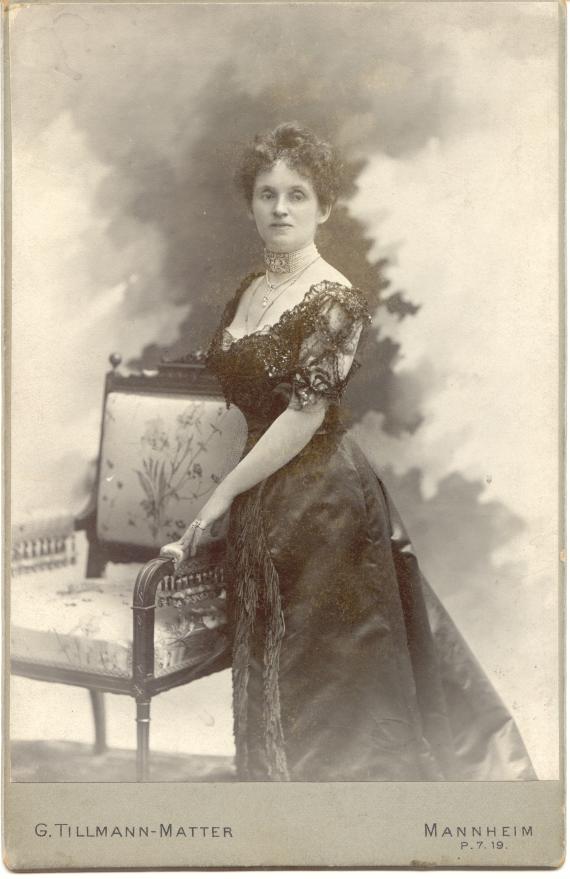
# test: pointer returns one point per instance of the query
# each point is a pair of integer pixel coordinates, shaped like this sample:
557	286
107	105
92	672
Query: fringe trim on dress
256	584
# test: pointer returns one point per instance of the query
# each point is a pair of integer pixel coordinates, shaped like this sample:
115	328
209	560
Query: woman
345	665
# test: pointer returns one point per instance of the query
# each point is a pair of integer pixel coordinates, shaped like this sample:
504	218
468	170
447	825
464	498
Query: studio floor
52	733
60	761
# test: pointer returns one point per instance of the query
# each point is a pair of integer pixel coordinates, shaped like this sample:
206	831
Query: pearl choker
288	263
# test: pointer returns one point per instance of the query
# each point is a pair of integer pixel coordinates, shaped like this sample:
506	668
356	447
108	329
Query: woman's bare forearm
283	439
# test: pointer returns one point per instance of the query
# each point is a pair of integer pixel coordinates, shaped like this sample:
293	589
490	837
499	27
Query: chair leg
143	730
98	707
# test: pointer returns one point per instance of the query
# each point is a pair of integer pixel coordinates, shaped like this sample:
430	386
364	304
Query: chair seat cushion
87	625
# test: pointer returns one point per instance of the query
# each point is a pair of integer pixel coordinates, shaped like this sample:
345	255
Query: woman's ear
324	213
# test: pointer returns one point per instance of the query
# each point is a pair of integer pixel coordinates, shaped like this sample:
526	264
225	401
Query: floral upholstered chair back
162	455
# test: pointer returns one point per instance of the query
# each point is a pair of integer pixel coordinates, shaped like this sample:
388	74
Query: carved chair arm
148	580
179	589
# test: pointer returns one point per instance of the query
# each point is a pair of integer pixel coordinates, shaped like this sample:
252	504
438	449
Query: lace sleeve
331	332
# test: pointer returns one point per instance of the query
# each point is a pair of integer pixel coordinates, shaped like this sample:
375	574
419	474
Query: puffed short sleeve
329	337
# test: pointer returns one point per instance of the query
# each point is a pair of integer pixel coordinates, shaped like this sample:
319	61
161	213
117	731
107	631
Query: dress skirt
346	666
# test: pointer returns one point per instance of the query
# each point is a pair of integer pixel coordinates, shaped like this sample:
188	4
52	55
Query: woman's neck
278	263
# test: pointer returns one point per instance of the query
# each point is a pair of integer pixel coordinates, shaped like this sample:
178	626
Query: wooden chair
166	440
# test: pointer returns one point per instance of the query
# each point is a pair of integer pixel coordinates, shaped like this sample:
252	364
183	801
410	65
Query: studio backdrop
129	237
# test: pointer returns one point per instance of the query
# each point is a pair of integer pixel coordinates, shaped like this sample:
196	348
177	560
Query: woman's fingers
187	545
174	551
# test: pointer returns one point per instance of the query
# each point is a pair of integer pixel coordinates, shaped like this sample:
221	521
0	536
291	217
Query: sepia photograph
284	376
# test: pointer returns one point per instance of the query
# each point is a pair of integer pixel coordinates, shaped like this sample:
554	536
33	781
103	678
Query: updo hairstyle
303	152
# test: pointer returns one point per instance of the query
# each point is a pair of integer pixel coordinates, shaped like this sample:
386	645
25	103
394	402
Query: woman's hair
302	151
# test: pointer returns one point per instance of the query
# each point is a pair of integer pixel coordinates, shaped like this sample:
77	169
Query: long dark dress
346	667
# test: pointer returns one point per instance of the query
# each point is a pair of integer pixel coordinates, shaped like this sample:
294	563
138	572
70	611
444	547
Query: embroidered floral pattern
170	471
162	458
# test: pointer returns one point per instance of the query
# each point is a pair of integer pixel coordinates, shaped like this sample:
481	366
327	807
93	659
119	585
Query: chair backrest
167	440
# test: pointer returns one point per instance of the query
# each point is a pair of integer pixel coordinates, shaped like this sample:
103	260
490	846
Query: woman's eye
298	196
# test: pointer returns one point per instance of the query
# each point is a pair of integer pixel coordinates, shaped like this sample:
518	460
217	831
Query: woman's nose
280	207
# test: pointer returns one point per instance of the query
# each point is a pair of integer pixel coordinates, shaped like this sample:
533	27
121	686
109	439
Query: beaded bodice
307	354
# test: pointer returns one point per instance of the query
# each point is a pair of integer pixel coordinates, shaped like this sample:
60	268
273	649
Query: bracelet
197	523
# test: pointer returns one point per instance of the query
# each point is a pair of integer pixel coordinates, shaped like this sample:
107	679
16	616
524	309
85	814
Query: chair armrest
144	603
206	568
148	580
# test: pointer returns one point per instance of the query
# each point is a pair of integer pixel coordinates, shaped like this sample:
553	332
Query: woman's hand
217	506
175	551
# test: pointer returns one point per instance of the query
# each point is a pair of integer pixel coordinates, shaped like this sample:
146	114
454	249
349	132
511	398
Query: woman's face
286	209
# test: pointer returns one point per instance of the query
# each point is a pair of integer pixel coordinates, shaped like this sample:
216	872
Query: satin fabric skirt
346	666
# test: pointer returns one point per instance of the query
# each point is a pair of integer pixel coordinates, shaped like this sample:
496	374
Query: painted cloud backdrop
129	237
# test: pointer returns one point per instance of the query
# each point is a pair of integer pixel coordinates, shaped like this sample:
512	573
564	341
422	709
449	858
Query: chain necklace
271	287
265	304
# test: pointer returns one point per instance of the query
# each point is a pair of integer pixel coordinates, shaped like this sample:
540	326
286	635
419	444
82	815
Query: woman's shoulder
335	289
323	271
